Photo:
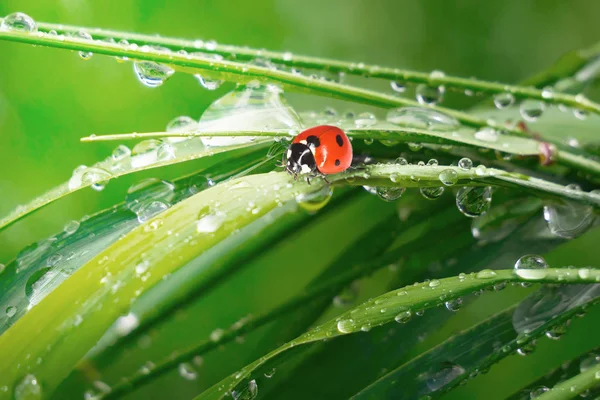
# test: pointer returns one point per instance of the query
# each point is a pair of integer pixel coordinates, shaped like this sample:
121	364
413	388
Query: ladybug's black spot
313	141
339	140
337	163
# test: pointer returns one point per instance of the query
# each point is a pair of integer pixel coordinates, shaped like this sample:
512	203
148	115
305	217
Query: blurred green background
50	98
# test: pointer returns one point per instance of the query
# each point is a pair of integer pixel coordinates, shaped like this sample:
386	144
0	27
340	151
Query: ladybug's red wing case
329	151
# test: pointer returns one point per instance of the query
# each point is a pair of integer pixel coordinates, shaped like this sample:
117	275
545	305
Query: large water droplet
205	81
42	282
150	209
182	123
448	177
429	95
465	163
152	74
365	119
209	221
503	100
18	21
96	177
531	110
403	317
568	220
454	304
397	87
253	107
10	311
120	153
28	388
422	118
531	267
474	201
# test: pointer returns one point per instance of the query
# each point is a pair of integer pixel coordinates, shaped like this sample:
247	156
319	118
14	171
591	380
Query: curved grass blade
86	304
332	66
387	307
560	374
112	168
477	349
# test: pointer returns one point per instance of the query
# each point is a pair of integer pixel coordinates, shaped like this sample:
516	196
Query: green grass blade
574	387
387	307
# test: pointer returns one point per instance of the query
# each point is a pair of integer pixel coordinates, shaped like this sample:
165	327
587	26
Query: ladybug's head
299	160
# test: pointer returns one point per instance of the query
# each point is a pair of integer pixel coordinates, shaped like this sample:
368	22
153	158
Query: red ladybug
321	150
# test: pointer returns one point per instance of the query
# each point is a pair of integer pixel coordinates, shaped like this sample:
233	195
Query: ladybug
321	150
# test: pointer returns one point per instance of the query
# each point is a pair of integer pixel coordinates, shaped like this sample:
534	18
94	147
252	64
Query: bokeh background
50	98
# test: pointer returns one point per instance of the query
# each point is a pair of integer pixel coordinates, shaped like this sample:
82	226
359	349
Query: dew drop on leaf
531	110
474	201
568	220
438	378
487	134
454	304
120	152
537	392
18	21
152	74
208	221
422	118
315	200
11	311
389	193
187	371
81	34
531	267
403	317
148	190
590	361
250	392
429	95
71	227
217	334
165	152
28	388
398	87
465	163
150	209
346	325
364	120
448	177
503	100
432	193
270	373
485	274
182	123
126	324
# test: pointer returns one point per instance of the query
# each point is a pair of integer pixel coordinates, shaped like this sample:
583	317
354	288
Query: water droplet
434	283
209	222
152	74
389	193
487	134
187	371
429	95
81	34
198	183
503	100
28	388
365	119
96	177
120	153
346	325
249	393
448	177
126	324
531	110
531	267
485	274
18	21
269	374
206	81
398	87
422	118
165	152
217	334
182	123
465	163
556	332
403	317
148	190
2	268
432	193
315	200
71	227
438	378
538	392
11	311
150	209
569	219
580	114
474	201
454	305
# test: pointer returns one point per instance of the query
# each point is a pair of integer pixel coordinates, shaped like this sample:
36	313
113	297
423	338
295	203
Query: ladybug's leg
325	179
308	179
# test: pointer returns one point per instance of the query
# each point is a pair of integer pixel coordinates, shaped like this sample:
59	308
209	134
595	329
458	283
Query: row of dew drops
153	74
